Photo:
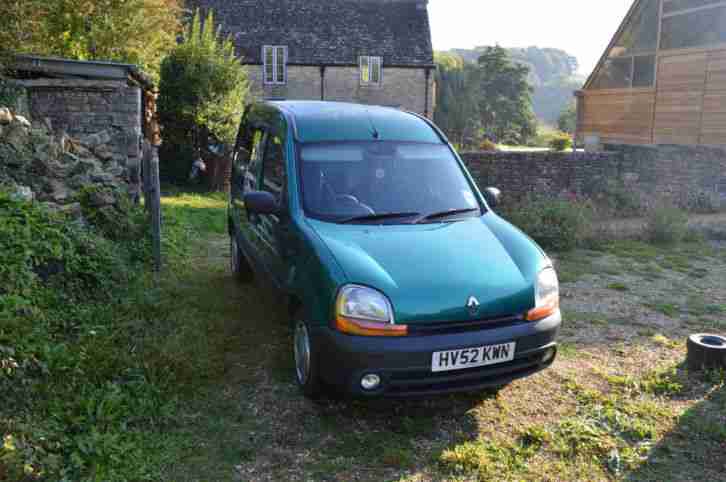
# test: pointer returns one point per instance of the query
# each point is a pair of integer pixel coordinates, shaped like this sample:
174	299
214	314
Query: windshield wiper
444	214
378	217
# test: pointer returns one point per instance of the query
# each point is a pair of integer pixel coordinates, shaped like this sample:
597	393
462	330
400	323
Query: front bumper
404	364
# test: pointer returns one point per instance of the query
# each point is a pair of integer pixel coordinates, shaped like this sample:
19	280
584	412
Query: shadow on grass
251	412
695	449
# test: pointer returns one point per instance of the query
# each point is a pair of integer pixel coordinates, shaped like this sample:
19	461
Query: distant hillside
553	74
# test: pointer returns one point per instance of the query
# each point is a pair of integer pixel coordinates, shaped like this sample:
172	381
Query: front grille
446	328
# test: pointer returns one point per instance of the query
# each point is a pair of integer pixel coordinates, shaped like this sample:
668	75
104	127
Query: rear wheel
241	269
307	371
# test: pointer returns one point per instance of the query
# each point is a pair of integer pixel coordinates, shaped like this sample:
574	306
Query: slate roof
328	32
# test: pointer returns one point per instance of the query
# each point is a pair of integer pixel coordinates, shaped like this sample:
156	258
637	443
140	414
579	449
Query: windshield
388	182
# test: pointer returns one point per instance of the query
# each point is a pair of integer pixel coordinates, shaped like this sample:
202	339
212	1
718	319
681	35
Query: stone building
365	51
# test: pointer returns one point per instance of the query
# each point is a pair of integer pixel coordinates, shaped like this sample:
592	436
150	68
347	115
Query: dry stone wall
39	164
692	176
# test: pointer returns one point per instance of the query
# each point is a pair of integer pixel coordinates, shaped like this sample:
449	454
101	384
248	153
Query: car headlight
546	295
363	311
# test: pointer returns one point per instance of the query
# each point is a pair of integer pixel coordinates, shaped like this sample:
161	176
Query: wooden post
155	197
145	173
152	197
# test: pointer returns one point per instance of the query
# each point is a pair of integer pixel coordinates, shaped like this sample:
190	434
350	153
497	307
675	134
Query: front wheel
307	372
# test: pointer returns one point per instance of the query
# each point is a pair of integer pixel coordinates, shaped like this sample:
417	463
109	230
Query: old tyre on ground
241	269
706	352
307	365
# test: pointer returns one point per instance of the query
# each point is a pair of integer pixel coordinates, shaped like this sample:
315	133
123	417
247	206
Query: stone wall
56	169
401	88
689	174
519	174
693	176
14	97
81	108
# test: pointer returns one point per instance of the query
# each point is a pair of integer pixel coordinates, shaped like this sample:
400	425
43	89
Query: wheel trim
302	353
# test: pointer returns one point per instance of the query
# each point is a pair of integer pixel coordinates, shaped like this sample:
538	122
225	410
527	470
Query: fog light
370	382
549	355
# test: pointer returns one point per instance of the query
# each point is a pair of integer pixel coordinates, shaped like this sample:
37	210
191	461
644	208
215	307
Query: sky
582	28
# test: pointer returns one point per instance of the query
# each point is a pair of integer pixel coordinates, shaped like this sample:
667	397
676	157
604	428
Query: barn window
615	73
694	28
275	64
370	70
641	33
632	52
643	71
670	6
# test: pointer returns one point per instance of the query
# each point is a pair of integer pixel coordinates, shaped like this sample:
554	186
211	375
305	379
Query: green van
399	278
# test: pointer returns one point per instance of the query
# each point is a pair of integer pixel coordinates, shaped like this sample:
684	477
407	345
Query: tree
504	98
456	110
567	121
141	32
203	90
553	75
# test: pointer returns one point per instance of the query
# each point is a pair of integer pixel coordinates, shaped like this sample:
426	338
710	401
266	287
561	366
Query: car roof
318	121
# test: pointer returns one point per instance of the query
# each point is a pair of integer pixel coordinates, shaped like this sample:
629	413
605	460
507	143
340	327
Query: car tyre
306	358
706	352
239	265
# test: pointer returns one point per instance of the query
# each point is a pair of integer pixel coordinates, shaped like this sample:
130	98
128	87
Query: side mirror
260	202
493	196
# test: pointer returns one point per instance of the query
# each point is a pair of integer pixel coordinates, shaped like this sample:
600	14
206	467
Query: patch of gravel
594	312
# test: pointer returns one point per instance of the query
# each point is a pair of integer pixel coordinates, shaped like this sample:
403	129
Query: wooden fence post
152	198
155	186
145	173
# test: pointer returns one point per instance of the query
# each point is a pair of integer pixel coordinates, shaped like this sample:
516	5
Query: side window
274	176
252	171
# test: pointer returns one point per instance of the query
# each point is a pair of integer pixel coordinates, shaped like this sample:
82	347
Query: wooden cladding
688	105
624	115
679	99
713	122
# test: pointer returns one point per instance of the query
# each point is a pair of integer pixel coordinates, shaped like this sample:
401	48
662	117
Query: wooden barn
662	79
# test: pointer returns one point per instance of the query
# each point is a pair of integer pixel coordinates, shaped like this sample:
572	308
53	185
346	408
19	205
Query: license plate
444	361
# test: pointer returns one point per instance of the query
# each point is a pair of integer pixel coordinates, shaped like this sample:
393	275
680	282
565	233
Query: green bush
561	143
203	89
545	134
556	224
621	201
666	224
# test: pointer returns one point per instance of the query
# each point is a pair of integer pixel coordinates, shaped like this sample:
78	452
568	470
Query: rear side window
274	172
252	172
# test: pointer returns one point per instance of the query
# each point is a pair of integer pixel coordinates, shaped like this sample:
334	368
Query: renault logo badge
472	304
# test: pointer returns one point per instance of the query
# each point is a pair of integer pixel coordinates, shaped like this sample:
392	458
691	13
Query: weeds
556	224
90	363
666	224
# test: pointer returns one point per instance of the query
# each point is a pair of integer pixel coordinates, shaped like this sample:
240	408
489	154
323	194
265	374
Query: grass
616	405
618	287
